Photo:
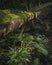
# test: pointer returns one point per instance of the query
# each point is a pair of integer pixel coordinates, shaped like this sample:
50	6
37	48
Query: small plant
31	48
18	56
38	41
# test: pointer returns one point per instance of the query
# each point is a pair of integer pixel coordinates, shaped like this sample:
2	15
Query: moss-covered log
13	19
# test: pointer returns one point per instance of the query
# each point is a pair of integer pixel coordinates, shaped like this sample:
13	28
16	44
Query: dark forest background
32	42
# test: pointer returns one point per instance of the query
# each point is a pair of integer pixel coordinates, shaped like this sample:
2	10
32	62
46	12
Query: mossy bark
13	20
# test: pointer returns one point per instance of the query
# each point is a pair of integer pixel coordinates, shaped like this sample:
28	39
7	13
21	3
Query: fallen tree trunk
12	21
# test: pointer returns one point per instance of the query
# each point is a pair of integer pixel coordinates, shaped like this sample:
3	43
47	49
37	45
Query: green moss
4	18
25	15
14	16
7	15
6	11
